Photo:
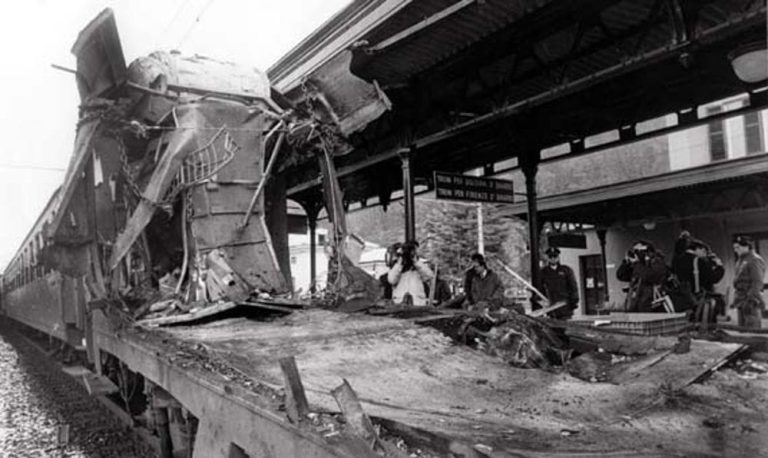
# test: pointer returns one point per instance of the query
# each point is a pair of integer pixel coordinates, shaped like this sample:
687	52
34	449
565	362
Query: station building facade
711	180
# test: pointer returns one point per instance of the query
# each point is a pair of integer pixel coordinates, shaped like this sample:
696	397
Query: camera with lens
407	254
640	255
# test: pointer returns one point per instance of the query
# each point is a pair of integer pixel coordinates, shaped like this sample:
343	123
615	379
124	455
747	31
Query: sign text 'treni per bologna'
475	189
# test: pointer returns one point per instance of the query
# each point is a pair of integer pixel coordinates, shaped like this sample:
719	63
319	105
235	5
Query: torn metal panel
161	80
333	195
351	102
164	71
182	142
100	60
108	193
73	177
219	189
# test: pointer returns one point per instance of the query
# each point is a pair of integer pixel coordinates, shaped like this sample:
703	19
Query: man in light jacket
407	277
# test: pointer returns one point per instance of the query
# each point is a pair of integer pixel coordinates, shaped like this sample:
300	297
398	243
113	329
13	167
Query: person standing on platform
645	270
407	277
697	270
748	283
483	287
559	285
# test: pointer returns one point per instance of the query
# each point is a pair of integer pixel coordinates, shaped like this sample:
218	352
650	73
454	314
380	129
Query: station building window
753	133
717	151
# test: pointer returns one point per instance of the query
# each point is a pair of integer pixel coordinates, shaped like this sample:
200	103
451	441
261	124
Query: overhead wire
194	23
32	167
174	18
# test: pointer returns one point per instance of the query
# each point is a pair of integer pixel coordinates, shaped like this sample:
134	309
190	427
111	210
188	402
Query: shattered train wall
219	206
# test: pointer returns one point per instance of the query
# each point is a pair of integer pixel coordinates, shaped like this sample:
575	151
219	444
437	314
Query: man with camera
697	270
645	270
407	276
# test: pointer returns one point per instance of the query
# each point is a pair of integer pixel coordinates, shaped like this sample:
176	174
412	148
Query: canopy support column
312	207
604	261
529	162
410	212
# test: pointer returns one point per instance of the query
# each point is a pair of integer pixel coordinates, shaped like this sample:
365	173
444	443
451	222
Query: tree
449	234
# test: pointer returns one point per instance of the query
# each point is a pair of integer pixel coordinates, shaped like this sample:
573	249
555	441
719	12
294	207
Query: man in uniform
748	283
559	285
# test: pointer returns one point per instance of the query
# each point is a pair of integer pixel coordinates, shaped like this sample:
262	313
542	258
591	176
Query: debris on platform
349	288
295	398
523	341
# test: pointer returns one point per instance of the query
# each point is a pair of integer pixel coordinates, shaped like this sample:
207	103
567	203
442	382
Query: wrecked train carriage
169	147
170	178
164	182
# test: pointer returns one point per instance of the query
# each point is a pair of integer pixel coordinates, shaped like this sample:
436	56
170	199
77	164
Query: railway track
45	412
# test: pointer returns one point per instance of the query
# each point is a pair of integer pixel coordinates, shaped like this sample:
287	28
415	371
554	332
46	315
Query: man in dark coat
645	270
483	287
559	285
697	270
748	283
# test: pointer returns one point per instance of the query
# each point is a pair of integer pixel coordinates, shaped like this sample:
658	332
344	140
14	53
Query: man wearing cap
748	283
559	285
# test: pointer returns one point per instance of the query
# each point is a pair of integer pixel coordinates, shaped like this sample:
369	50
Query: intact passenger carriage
39	296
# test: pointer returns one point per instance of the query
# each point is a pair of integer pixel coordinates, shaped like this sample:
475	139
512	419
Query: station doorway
592	283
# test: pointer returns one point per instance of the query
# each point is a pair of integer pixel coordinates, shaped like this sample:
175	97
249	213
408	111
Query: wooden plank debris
62	435
714	367
357	420
98	385
195	314
269	307
359	423
545	310
295	399
95	384
616	342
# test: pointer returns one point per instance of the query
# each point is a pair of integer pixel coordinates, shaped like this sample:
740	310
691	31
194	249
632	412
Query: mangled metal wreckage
174	194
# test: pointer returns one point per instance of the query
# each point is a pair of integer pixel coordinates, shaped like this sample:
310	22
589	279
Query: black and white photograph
384	228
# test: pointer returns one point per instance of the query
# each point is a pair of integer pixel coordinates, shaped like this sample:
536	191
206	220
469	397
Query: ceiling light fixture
750	62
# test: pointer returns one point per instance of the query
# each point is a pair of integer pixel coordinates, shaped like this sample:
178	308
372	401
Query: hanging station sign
475	189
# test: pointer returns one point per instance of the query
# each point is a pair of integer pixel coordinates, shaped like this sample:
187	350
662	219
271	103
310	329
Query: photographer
645	270
390	258
697	270
407	277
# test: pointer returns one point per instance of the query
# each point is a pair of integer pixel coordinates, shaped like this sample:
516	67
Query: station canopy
473	82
